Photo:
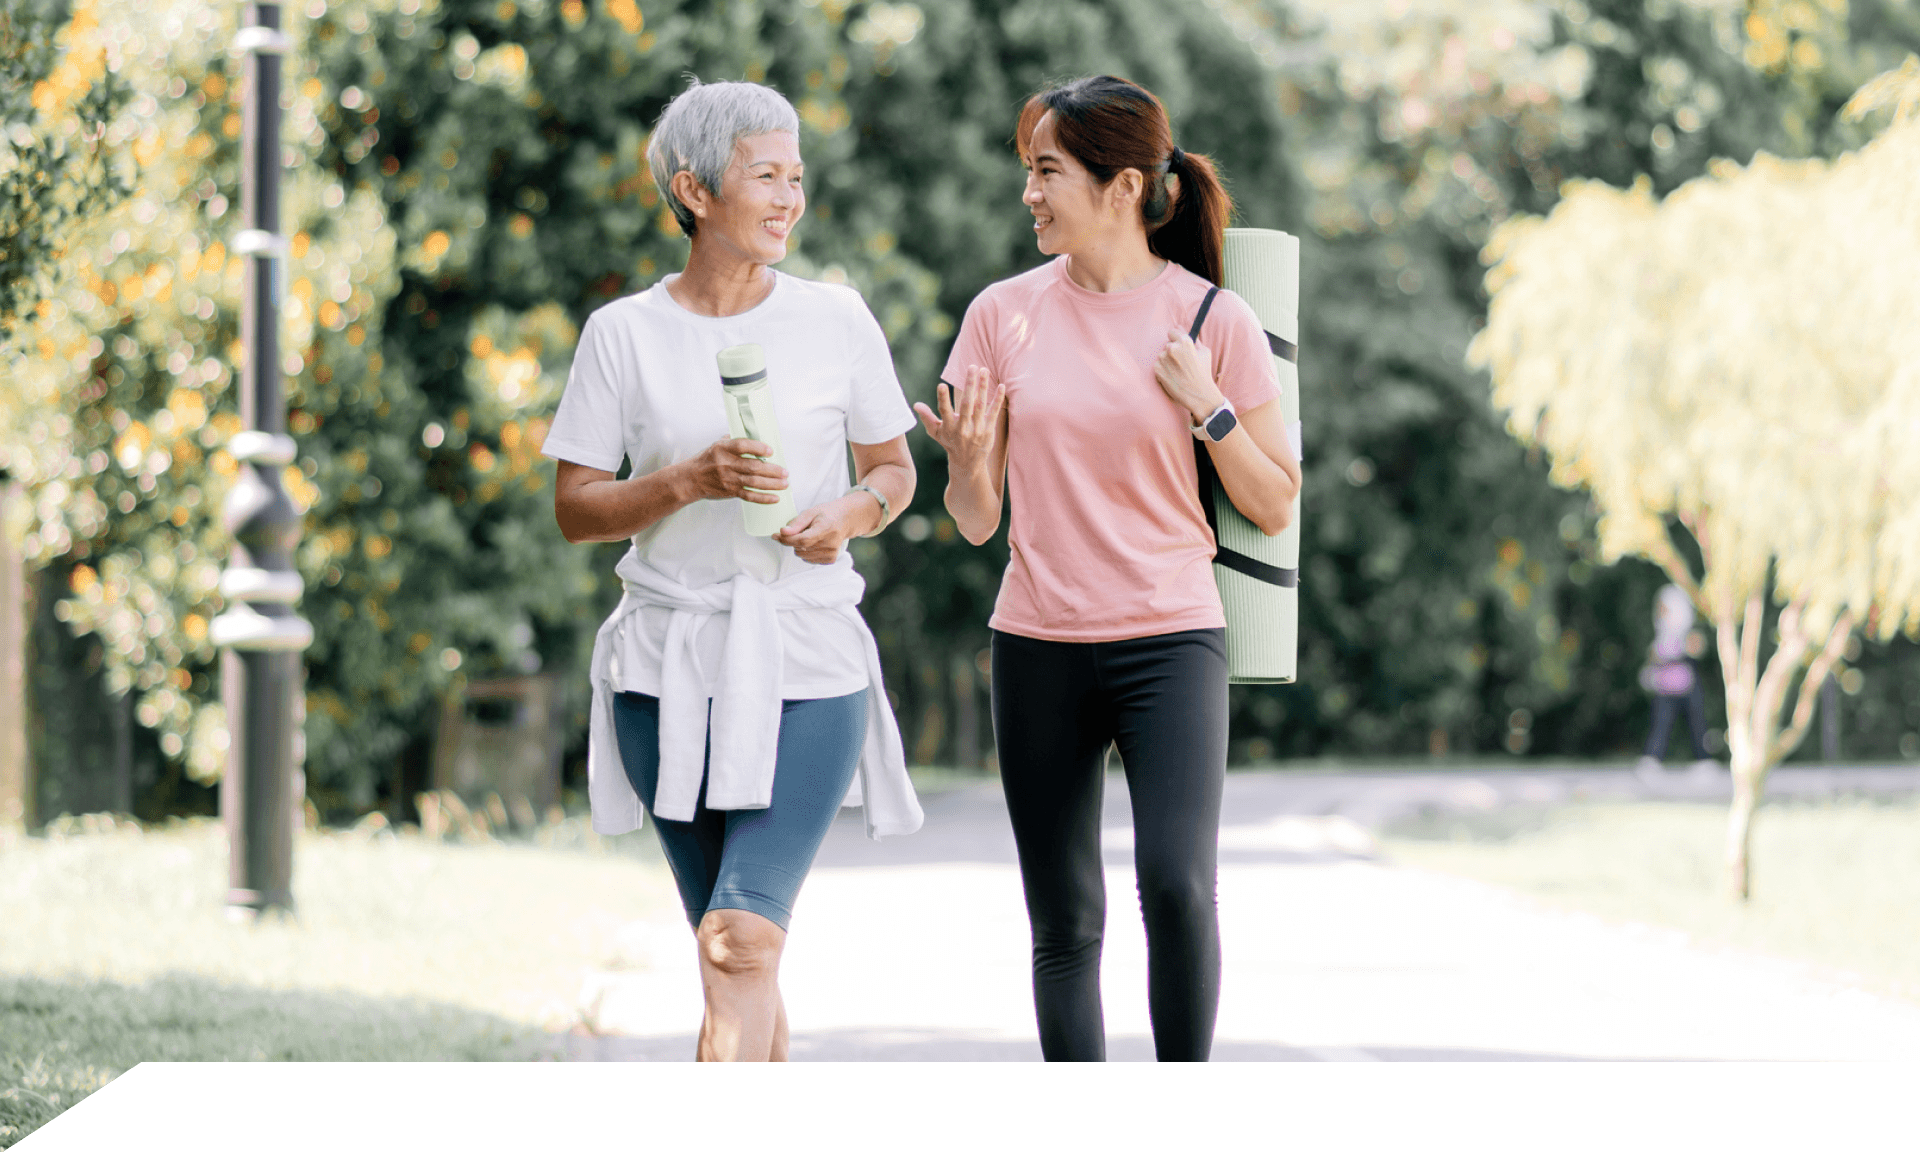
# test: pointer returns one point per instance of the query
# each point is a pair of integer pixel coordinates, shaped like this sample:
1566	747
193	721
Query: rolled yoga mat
1258	575
743	381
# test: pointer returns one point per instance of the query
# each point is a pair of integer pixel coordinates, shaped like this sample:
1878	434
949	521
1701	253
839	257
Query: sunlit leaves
1747	370
1739	360
128	383
57	99
135	361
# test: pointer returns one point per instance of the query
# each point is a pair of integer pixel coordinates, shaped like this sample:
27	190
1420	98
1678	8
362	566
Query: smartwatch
1217	426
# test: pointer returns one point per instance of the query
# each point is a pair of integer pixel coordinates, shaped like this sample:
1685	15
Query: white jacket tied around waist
746	702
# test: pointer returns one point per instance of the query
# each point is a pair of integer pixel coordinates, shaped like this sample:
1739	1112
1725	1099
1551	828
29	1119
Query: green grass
116	948
60	1040
1835	883
502	928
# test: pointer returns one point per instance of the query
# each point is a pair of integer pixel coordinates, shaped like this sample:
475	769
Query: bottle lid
742	364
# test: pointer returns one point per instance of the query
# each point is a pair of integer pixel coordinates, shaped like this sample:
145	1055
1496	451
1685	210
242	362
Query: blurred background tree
56	98
56	173
1453	599
133	351
1750	389
506	140
473	186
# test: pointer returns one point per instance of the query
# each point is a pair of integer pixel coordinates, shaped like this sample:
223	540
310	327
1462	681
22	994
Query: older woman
737	692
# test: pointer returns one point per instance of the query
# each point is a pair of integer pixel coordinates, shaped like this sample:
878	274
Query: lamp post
260	669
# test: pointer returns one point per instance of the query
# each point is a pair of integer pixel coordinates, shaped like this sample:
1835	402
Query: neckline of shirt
779	292
1131	296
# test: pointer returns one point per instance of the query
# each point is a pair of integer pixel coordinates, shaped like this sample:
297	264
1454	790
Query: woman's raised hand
728	468
969	419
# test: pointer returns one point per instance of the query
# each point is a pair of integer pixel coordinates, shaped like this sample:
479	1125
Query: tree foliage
506	141
133	352
56	99
1696	365
1447	592
467	185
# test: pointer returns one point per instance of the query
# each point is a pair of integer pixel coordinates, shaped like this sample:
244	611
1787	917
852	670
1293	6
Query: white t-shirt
645	387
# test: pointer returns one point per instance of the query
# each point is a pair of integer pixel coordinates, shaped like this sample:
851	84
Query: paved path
916	948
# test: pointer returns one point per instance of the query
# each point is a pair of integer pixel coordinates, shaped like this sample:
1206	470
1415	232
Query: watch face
1221	423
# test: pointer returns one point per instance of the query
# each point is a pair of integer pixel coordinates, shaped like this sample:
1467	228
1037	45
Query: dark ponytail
1109	125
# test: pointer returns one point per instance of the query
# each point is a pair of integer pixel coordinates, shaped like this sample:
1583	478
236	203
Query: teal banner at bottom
993	1106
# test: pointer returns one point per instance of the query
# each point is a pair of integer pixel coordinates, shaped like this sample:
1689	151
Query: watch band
886	509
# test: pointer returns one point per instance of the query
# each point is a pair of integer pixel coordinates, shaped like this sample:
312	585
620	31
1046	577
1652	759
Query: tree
474	189
505	143
1417	127
477	189
133	350
56	170
1737	366
56	174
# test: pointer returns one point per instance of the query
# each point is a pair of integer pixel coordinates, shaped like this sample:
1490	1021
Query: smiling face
761	199
1062	195
1072	211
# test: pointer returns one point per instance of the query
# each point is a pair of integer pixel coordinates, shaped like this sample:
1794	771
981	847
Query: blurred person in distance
1671	676
737	692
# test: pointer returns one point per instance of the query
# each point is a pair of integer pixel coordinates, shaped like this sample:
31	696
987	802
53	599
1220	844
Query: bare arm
817	534
972	426
1255	461
1256	465
590	505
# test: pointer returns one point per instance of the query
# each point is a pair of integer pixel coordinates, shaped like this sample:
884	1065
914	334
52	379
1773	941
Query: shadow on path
932	1044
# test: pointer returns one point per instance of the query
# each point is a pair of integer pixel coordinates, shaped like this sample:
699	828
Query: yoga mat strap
1247	566
1284	348
1202	461
1200	317
1238	561
740	381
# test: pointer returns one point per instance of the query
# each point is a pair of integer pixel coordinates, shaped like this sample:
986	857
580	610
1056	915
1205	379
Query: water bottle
743	382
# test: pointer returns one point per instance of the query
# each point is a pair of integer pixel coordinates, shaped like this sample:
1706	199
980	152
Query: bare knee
740	944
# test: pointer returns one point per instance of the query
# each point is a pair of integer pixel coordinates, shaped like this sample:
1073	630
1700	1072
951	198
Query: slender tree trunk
16	768
1758	733
1746	801
1739	643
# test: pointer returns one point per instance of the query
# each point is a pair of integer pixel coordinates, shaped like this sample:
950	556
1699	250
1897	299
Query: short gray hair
698	130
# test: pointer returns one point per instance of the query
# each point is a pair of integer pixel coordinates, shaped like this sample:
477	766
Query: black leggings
1665	708
1162	700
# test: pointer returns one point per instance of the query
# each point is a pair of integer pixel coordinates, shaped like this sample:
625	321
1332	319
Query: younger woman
1075	389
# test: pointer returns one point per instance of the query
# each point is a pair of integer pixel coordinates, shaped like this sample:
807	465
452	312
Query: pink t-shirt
1109	540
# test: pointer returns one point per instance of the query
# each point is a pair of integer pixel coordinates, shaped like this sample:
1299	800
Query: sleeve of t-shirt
588	428
876	410
974	345
1242	359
